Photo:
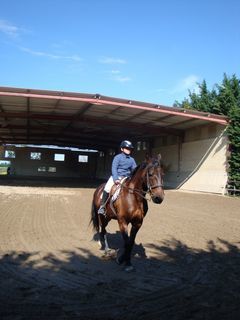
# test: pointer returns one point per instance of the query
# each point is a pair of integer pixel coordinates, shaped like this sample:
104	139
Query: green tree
204	100
234	138
228	96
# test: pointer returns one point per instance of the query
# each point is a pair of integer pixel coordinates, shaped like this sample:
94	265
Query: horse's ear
159	157
147	156
167	167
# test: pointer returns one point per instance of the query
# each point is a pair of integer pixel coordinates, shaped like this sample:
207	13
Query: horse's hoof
113	254
129	269
107	255
119	260
119	257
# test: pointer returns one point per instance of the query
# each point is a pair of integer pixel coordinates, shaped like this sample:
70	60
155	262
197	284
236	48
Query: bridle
150	187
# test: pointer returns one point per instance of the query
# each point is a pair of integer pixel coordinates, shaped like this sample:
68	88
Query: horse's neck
136	182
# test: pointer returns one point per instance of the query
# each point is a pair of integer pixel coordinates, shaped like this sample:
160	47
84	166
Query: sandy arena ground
187	259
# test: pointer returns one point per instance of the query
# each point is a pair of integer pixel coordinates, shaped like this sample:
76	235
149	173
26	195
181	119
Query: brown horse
131	205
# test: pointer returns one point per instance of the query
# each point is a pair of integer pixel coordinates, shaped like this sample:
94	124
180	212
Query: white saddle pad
117	191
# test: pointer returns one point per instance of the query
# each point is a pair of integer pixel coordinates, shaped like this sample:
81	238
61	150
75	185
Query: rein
139	192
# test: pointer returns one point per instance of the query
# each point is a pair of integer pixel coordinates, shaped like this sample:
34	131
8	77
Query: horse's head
154	179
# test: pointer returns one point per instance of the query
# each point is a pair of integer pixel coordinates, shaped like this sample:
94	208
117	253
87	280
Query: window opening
10	154
139	145
59	156
82	158
41	169
35	155
5	167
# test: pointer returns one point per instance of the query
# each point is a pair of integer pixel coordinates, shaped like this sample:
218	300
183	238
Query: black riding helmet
126	144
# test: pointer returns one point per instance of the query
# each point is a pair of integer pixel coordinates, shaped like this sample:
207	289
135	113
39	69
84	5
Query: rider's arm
115	164
133	165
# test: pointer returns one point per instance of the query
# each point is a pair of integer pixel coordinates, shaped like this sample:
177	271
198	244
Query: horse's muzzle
157	199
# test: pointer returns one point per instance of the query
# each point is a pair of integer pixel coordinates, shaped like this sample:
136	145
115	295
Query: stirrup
101	210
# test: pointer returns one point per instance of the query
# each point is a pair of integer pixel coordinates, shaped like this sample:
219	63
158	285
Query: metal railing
233	187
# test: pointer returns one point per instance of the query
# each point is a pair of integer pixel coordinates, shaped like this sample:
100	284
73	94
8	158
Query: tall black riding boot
101	210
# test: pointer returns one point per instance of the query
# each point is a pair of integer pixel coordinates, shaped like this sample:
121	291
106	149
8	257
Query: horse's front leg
128	244
129	247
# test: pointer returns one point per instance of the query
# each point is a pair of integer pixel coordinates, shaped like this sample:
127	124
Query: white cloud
122	79
160	90
180	90
187	83
50	55
9	29
115	72
116	75
108	60
74	57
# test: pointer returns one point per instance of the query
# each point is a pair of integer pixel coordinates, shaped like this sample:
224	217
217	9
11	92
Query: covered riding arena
187	253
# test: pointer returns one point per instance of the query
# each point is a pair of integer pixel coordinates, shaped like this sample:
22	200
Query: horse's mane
143	165
134	171
140	166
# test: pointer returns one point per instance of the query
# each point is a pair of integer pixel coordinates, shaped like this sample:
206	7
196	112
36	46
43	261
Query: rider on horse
122	166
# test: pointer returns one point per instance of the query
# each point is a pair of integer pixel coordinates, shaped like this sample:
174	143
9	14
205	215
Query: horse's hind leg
103	236
104	241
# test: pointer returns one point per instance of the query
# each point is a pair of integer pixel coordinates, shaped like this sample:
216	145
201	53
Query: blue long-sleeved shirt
122	166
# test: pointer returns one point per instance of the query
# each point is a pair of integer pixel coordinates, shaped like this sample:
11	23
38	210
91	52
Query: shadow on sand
174	282
50	182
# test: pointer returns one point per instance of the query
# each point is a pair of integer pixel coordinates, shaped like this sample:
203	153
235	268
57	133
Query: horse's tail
94	217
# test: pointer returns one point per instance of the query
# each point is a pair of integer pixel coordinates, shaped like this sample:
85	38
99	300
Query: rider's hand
117	182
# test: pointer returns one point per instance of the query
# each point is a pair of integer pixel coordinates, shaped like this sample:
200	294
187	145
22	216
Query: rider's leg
101	210
105	195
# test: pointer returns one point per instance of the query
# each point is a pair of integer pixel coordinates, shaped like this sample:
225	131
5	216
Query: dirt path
187	258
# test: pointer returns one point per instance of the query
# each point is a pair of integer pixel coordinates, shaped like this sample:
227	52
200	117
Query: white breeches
109	185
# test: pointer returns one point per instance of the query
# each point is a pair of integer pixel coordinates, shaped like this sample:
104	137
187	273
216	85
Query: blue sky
147	50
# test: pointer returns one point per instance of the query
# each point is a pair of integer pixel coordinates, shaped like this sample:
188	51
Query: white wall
199	163
204	165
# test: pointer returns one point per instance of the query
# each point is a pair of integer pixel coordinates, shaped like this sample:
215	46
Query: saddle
114	194
115	191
